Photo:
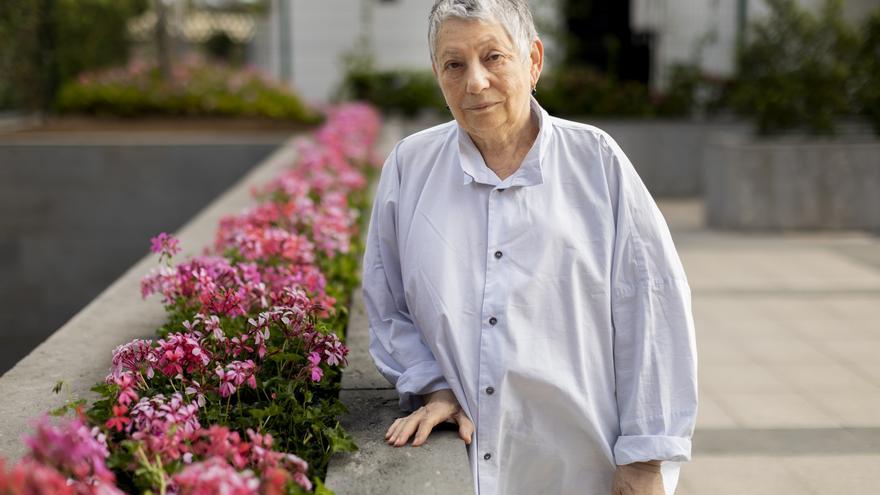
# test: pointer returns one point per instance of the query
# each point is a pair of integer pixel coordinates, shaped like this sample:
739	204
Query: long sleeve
396	344
655	356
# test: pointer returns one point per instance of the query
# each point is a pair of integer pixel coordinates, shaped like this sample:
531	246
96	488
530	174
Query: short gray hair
513	15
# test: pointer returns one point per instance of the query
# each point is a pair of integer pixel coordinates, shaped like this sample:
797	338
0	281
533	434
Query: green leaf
321	488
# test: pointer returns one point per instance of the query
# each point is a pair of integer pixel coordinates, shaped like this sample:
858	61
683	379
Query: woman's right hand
439	406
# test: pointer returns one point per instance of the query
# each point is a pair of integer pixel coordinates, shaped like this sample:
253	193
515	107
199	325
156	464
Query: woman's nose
478	79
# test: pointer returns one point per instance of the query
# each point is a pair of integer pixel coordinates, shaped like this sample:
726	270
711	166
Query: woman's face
485	82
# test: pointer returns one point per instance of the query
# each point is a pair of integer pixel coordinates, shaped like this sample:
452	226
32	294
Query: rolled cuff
418	380
641	448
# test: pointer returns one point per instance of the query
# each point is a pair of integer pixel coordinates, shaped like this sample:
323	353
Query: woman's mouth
480	108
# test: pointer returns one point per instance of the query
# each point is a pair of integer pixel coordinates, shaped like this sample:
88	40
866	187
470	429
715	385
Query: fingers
393	428
425	426
465	427
422	421
403	428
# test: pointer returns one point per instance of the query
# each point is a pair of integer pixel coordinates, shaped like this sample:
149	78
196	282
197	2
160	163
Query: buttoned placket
493	323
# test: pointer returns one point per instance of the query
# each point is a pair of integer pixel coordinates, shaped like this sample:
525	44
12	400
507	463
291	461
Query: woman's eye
452	65
495	57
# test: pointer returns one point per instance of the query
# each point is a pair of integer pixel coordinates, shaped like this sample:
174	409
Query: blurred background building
639	39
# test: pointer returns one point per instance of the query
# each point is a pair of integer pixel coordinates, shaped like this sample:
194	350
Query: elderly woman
521	282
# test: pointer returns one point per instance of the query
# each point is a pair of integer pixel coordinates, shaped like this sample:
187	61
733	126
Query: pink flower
316	372
30	477
236	374
214	476
181	352
165	245
119	419
164	426
72	448
133	357
335	351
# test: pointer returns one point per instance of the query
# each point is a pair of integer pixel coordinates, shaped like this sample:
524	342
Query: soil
154	124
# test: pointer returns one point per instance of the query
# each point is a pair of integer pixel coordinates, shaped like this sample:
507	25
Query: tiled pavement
788	335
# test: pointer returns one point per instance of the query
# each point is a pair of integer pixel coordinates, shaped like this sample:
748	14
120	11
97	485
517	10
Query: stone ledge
440	466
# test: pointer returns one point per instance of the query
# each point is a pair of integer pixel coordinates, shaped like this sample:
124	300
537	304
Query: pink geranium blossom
214	476
181	352
165	245
72	448
133	356
164	426
234	375
30	477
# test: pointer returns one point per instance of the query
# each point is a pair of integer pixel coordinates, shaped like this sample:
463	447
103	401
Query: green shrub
570	91
194	88
797	69
46	43
404	91
867	92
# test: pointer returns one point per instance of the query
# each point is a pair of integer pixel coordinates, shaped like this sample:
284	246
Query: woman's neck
503	152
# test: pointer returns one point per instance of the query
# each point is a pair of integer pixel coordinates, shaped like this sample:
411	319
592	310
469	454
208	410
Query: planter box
793	182
665	152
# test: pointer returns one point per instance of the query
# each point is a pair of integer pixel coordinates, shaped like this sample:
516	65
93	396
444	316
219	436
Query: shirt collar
529	173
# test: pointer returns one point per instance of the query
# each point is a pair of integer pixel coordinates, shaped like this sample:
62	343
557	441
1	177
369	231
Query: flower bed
193	88
239	390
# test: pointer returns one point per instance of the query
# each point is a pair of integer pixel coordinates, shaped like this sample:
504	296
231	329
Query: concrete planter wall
77	209
666	153
793	183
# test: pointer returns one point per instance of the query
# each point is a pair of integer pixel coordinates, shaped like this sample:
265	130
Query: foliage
405	91
48	42
586	91
195	88
796	69
867	79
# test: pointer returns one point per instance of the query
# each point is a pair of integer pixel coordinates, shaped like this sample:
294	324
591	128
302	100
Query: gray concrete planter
666	152
793	182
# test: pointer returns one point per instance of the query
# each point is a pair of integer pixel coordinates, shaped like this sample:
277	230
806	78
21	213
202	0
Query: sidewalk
788	335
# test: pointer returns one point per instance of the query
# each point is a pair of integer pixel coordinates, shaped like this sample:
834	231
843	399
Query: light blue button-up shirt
553	303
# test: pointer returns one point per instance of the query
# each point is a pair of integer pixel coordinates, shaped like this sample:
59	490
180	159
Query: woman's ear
536	60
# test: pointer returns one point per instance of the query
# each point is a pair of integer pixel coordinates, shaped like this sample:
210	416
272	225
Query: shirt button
490	390
493	320
498	254
487	456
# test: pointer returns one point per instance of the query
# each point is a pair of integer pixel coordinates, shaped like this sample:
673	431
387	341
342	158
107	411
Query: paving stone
752	475
776	410
711	415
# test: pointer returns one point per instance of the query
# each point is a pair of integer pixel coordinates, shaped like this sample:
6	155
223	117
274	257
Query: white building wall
321	31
